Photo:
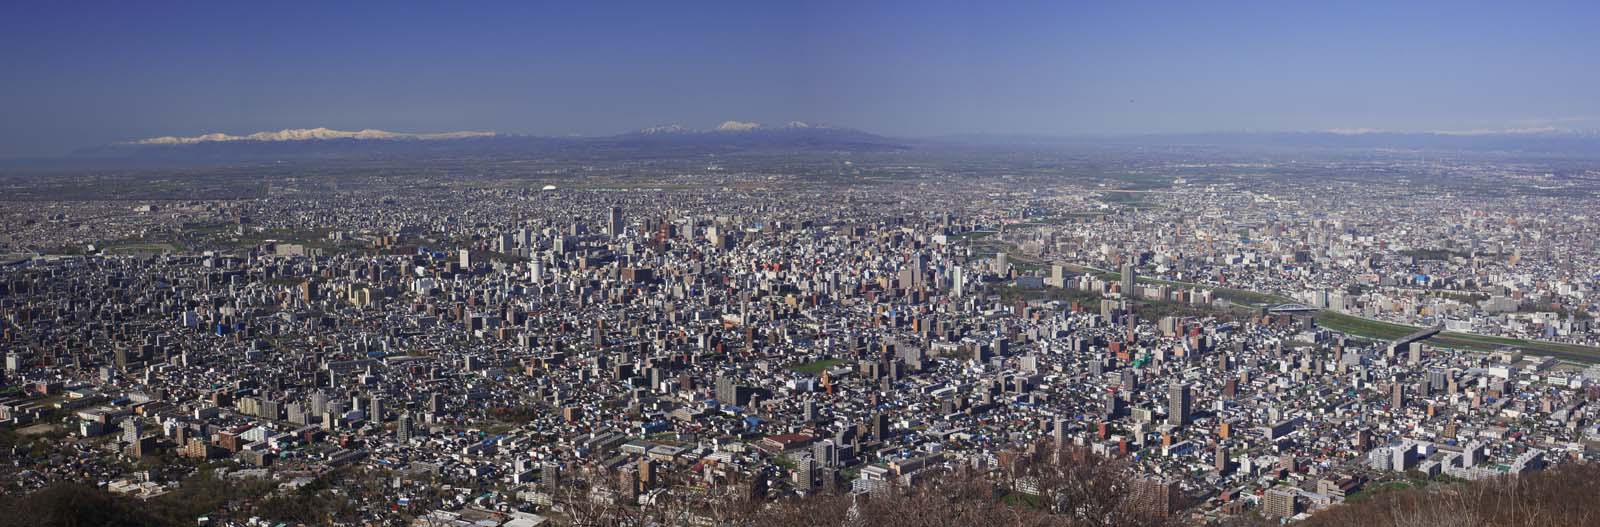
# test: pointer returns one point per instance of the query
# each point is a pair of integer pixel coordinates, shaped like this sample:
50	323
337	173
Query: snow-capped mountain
322	143
307	134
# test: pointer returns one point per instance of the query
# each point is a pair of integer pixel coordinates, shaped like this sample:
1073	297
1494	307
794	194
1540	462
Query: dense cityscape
707	263
693	343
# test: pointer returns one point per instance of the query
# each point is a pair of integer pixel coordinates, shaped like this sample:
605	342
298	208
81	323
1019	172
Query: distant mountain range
306	134
323	143
744	137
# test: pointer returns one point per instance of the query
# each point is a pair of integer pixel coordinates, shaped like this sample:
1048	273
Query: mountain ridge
308	134
676	141
324	143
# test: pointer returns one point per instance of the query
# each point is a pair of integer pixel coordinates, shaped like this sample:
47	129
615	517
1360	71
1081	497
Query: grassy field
141	248
1375	330
1361	327
1372	329
816	367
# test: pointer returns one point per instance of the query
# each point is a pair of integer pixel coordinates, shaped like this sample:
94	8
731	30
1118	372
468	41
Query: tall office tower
1113	405
1059	434
825	453
1002	261
466	259
880	426
614	221
550	475
319	403
524	238
804	480
726	390
648	476
1129	278
536	272
955	279
402	427
376	409
132	429
1178	405
1399	395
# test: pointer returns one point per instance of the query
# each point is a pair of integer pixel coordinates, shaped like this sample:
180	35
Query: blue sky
86	73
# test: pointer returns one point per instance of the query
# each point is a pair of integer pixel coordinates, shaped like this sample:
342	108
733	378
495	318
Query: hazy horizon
89	74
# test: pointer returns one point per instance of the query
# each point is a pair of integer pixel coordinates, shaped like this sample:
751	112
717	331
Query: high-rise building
319	403
956	279
402	428
1129	278
804	475
1058	276
648	478
726	390
1179	405
132	429
1113	405
825	453
880	426
524	238
375	409
614	221
1157	496
1278	503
